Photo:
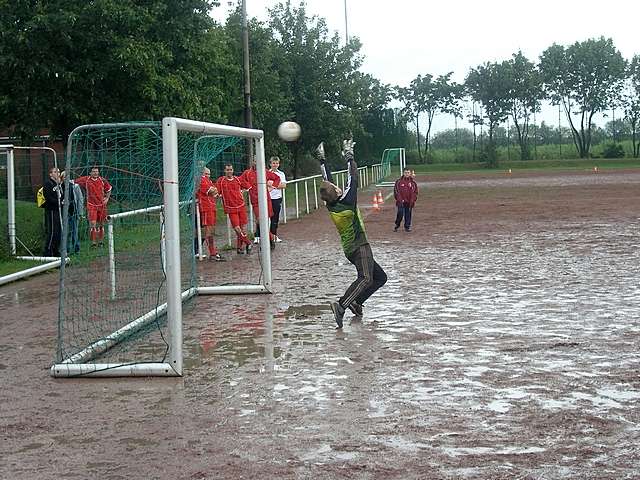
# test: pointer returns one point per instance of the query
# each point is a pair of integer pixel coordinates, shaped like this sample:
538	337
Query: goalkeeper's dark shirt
345	213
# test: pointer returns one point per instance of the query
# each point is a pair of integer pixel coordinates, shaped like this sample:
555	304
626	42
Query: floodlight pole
346	29
248	118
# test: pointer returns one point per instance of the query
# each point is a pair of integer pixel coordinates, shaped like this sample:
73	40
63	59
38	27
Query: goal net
122	295
393	162
23	170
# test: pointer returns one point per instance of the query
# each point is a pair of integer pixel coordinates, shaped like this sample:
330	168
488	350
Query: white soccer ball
289	131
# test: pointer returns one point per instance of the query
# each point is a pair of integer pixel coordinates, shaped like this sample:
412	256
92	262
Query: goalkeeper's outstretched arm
350	194
326	172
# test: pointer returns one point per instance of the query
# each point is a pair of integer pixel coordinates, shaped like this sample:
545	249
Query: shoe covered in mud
356	309
338	313
248	248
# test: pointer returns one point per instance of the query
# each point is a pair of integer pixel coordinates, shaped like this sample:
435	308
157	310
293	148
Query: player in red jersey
98	193
230	189
250	176
206	195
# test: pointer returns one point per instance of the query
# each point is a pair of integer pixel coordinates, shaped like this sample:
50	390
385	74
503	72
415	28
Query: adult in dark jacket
405	192
52	205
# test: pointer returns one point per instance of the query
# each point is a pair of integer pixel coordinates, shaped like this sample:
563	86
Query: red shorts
97	214
207	218
256	212
238	218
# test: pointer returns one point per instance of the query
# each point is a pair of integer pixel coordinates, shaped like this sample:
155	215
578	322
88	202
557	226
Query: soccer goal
122	297
393	161
22	171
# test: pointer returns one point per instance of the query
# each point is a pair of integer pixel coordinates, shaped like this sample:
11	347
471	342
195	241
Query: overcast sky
404	38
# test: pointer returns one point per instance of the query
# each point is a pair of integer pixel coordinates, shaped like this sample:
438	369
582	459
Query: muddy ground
504	346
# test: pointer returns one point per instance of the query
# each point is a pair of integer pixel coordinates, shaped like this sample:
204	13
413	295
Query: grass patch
8	267
531	165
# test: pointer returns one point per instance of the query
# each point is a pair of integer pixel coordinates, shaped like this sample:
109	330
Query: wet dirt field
504	346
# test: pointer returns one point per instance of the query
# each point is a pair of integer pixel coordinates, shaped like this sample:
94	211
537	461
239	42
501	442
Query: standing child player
276	196
344	212
230	189
206	195
250	176
405	192
98	194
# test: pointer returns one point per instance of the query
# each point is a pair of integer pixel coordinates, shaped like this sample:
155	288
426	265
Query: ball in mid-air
289	131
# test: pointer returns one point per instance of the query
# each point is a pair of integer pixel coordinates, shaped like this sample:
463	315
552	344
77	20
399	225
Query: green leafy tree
525	93
319	77
584	78
631	100
489	85
74	62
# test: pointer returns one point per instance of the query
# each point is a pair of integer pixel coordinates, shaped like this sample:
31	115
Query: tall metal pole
346	28
248	118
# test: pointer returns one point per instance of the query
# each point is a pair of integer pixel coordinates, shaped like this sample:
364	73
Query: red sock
239	242
101	233
212	247
93	234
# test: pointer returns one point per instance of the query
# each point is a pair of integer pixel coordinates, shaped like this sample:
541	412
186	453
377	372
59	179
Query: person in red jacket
206	195
98	193
405	192
230	189
250	176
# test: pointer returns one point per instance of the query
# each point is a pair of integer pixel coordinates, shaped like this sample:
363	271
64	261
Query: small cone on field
376	207
509	171
380	199
595	169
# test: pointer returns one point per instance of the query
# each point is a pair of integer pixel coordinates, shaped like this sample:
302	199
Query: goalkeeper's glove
347	149
319	153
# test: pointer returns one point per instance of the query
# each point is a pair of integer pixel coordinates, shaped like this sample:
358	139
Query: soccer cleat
338	313
356	309
407	229
218	258
278	239
395	229
256	240
248	248
240	251
272	243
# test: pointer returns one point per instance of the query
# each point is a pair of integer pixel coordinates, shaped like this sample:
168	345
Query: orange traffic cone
376	207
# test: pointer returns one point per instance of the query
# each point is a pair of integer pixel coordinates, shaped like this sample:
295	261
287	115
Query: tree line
76	62
582	79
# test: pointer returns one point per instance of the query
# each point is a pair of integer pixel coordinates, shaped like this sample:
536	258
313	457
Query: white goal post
173	365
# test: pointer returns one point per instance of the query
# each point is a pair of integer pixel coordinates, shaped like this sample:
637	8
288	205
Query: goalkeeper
344	212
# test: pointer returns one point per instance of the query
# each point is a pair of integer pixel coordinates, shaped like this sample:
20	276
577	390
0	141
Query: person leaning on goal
206	195
344	212
230	189
405	191
276	196
250	176
98	193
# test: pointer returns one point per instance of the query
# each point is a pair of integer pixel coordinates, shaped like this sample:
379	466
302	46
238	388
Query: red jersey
250	176
206	201
231	191
97	189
